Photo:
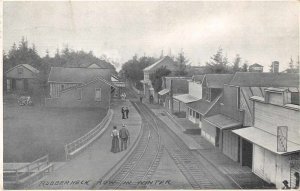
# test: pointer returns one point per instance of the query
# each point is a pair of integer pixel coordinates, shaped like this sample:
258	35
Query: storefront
218	128
268	163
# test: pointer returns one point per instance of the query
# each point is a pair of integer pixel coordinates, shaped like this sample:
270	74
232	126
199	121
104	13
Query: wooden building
274	138
22	78
173	86
167	62
79	87
235	110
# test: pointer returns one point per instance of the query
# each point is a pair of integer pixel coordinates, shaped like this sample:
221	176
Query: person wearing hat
125	137
285	185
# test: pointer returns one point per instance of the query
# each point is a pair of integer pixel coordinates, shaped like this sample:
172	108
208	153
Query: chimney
275	67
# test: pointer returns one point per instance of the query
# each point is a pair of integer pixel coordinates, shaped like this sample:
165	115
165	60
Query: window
197	115
20	70
62	86
194	114
208	94
79	93
191	112
97	94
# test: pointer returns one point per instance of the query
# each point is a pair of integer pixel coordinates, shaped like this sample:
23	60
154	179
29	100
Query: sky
260	32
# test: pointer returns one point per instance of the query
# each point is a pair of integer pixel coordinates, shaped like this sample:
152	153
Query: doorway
247	153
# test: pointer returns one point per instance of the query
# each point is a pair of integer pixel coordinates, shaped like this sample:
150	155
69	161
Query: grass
31	132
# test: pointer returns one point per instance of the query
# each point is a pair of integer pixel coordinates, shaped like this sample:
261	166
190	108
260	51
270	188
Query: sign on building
282	133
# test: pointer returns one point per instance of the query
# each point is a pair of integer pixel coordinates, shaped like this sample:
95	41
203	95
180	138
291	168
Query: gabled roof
162	61
217	80
254	79
99	78
76	75
27	66
202	106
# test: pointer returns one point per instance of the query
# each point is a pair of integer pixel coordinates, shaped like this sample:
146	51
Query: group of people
121	135
125	112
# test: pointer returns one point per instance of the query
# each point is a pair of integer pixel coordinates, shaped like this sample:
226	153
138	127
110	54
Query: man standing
127	112
123	113
124	136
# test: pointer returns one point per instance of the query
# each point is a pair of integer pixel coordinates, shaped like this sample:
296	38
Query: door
19	85
13	84
25	84
217	142
247	153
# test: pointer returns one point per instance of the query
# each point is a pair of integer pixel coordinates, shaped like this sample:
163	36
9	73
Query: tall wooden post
171	96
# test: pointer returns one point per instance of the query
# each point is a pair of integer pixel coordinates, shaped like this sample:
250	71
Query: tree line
25	54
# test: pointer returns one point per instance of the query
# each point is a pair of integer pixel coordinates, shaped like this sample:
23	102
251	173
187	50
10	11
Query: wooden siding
195	89
276	98
230	145
70	98
56	88
209	132
268	117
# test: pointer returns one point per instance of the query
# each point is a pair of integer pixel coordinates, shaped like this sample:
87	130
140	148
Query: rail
85	140
21	173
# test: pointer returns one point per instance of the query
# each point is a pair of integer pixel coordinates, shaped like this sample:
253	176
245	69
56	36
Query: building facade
22	78
274	136
79	87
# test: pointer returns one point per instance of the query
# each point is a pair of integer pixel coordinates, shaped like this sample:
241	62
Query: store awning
185	98
223	122
164	91
264	139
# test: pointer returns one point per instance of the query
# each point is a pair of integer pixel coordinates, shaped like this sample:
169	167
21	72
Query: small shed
23	78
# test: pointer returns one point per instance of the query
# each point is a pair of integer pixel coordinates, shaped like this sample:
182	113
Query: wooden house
167	62
22	78
79	87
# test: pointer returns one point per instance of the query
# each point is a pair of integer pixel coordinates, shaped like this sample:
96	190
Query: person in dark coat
127	112
123	113
124	136
115	148
285	185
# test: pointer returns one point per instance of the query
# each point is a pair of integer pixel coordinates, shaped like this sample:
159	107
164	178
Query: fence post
17	176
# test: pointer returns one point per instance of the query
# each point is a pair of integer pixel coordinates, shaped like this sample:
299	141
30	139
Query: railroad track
195	171
143	162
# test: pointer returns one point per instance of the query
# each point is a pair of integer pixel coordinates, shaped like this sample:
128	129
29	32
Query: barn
22	78
79	87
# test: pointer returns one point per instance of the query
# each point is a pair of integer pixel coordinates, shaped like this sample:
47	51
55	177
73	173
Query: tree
156	77
133	68
181	63
217	64
236	63
245	66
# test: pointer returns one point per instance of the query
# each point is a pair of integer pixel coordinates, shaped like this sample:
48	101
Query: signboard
282	133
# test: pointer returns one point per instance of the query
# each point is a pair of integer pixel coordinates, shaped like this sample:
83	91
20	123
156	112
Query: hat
285	182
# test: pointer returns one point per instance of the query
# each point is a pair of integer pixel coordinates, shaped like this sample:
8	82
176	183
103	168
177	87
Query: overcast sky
260	32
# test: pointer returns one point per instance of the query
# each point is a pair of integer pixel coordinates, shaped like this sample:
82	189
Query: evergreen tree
181	63
236	63
218	63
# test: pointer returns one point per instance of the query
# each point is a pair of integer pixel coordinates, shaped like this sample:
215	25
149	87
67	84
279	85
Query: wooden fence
79	144
14	178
